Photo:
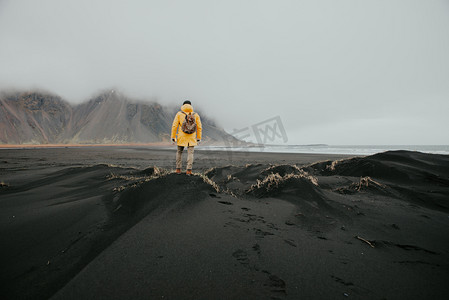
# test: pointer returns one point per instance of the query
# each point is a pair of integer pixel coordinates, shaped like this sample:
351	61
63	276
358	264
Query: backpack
189	124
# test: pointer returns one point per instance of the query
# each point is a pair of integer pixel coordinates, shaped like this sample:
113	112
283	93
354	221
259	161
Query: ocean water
336	149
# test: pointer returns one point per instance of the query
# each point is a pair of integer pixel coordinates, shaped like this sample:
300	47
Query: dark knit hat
187	102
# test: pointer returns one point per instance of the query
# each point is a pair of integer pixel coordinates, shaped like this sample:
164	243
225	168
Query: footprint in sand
231	224
241	256
260	234
341	281
290	242
256	248
272	226
276	285
225	202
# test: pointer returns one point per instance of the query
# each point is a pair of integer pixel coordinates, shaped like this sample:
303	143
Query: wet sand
116	223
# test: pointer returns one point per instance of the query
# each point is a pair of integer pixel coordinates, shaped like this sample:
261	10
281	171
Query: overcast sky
335	72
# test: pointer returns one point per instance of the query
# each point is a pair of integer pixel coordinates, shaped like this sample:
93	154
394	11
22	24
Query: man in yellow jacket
182	139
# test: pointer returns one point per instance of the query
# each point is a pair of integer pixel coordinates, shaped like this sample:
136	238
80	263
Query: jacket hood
187	108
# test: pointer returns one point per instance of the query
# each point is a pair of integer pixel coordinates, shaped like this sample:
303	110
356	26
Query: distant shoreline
294	149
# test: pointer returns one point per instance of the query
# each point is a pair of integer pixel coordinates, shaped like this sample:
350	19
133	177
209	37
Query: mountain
113	118
109	118
33	118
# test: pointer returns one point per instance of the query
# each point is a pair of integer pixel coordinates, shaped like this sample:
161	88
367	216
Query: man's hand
173	141
198	141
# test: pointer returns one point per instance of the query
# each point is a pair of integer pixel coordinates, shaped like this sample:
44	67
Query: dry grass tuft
113	176
366	181
270	181
135	181
275	166
230	178
363	183
208	181
119	189
300	172
303	174
208	171
230	192
334	163
113	166
160	172
274	180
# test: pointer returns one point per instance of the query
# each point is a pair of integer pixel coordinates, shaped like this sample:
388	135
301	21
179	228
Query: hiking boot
189	172
178	171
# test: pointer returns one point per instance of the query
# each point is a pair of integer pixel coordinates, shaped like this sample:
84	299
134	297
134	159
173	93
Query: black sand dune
269	226
52	222
412	176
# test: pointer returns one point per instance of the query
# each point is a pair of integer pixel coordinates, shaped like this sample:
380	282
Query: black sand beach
116	223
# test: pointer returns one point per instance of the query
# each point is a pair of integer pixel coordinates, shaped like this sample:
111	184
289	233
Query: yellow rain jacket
186	139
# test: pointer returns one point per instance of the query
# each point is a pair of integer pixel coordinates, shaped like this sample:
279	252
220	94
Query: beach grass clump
229	192
364	183
206	176
269	169
136	180
270	181
324	167
119	189
274	181
156	173
113	166
230	178
334	163
332	167
304	175
274	167
210	172
284	170
113	176
208	181
160	172
367	181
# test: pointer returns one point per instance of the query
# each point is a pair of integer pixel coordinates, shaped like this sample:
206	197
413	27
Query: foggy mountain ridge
108	118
